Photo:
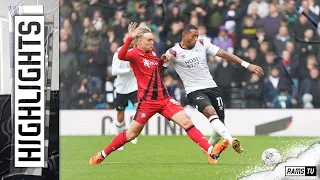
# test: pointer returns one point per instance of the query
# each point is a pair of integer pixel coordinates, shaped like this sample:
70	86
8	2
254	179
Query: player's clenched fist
165	57
255	69
132	29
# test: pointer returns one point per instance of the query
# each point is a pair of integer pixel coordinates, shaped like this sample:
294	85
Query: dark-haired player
190	62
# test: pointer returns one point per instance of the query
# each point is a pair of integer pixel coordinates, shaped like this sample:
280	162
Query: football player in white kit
190	62
126	89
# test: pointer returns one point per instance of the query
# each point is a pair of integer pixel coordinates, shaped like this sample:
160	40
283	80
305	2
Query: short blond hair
140	31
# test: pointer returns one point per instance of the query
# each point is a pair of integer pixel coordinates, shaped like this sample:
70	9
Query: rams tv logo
29	91
300	170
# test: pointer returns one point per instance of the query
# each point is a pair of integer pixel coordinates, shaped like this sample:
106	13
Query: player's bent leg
221	129
183	121
216	124
212	153
134	130
120	140
119	124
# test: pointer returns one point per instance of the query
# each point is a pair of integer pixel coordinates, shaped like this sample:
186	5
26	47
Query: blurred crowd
272	34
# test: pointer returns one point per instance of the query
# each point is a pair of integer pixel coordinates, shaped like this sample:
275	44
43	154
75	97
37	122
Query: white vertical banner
29	91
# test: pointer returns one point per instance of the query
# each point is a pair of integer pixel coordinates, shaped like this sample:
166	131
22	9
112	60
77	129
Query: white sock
220	128
214	138
103	154
120	126
210	149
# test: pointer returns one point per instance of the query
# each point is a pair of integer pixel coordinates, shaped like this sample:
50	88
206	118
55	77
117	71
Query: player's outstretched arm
231	57
124	49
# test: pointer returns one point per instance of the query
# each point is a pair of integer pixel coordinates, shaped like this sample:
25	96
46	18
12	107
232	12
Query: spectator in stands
76	26
170	83
94	100
173	16
212	64
224	77
116	19
256	18
253	92
269	64
174	36
291	15
182	5
301	26
196	8
283	100
233	18
65	36
242	52
304	47
271	23
290	46
249	30
94	61
98	23
158	17
203	33
308	65
253	57
68	66
279	43
311	9
311	85
215	19
223	41
79	92
109	39
88	33
121	28
64	9
272	85
263	50
143	16
261	6
158	44
289	66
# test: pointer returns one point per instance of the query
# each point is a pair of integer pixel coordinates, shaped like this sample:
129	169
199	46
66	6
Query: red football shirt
146	68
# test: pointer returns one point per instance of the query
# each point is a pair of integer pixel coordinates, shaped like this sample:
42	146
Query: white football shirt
191	65
125	82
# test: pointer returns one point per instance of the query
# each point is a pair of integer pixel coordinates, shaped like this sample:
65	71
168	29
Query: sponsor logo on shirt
148	63
192	63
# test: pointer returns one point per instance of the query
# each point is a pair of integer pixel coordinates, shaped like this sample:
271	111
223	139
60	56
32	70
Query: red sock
197	137
117	142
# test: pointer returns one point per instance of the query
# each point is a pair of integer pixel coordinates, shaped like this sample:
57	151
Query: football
271	156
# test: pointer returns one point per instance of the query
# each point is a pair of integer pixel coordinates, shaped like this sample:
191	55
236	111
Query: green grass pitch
163	157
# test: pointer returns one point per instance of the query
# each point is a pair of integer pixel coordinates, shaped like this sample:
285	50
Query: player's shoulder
203	42
174	50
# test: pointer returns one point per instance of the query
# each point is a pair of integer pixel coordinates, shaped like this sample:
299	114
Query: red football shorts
147	108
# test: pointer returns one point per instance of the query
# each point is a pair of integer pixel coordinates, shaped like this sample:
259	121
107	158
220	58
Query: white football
271	156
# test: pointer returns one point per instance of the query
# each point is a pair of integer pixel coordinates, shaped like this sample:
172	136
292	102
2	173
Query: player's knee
209	111
131	135
186	122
